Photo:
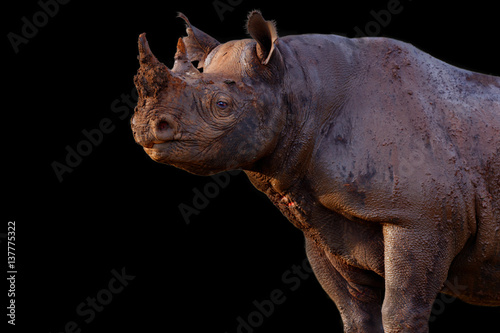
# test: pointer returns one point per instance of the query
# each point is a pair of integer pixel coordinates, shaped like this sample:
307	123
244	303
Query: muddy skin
386	158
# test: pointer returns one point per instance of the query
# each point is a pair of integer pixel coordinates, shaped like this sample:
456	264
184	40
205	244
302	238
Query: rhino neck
321	71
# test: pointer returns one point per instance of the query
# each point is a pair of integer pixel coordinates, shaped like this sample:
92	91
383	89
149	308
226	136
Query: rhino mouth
163	152
174	153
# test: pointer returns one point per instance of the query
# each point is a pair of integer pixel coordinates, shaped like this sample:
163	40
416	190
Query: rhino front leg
358	303
416	265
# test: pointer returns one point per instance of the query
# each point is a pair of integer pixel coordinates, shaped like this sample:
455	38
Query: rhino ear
265	34
198	44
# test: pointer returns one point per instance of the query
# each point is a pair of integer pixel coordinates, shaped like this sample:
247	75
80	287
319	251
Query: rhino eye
221	104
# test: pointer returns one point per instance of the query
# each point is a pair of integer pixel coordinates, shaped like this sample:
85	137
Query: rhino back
400	135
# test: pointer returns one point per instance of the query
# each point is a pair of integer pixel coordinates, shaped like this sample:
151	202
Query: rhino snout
164	128
161	129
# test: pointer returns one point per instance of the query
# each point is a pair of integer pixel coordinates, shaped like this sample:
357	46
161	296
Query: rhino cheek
244	146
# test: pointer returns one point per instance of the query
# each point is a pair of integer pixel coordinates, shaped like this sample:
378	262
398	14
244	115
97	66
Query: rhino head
224	114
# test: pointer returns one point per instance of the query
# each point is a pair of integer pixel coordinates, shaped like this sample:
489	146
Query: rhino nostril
163	125
164	129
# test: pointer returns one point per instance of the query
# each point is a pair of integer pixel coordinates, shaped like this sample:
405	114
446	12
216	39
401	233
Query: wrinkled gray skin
385	157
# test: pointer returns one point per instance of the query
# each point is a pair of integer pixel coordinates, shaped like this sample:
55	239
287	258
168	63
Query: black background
118	209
